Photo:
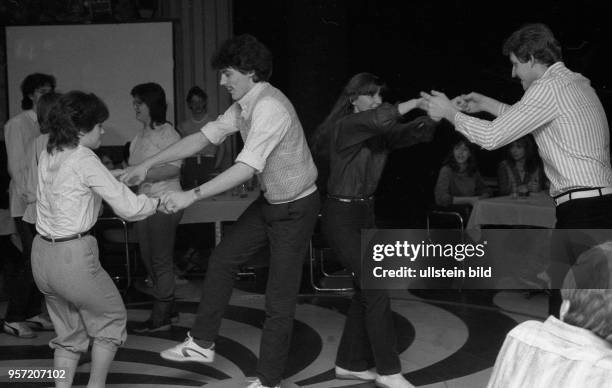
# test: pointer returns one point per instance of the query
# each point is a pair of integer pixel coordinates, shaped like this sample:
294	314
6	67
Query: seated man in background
198	169
575	351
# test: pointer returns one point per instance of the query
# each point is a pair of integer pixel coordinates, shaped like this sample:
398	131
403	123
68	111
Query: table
223	207
520	254
536	210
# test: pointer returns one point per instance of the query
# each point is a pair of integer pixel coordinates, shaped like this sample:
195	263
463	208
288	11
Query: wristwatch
197	193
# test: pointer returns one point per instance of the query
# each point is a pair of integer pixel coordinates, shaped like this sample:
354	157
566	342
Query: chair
444	219
438	218
110	232
318	272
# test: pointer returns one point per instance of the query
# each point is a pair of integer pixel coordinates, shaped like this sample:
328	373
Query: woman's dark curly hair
197	91
74	113
245	54
31	83
532	159
154	97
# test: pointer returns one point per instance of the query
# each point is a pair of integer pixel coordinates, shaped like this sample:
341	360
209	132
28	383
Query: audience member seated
106	161
459	182
521	171
575	351
198	169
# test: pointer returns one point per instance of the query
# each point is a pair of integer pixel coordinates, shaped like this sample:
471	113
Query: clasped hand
174	201
439	106
133	175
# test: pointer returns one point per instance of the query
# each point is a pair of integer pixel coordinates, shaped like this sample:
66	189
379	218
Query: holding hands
133	175
174	201
117	173
438	106
470	103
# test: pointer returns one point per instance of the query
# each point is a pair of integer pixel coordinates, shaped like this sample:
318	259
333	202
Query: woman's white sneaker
189	351
345	374
392	381
257	384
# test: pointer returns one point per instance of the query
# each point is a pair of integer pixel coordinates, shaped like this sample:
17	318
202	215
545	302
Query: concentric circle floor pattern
442	342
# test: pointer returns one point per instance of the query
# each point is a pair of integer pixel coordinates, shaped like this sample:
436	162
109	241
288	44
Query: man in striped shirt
566	118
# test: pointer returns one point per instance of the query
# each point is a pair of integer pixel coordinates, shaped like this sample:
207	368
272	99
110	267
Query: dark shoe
175	317
40	322
149	327
18	329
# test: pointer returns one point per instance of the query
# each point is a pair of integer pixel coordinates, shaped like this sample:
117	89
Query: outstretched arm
476	102
359	127
536	108
124	202
183	148
233	176
439	106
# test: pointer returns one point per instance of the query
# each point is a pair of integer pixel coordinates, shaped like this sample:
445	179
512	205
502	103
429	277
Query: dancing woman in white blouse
83	302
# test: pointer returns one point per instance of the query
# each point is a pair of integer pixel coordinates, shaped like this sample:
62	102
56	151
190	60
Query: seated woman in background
521	171
83	302
459	181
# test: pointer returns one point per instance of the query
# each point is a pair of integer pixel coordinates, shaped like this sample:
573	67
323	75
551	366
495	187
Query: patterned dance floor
445	339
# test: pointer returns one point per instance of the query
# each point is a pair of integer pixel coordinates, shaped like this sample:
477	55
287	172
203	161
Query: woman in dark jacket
353	143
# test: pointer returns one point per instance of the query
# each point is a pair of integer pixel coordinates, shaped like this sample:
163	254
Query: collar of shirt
32	115
577	335
246	102
553	68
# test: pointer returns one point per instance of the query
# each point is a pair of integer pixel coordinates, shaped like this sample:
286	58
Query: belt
64	239
580	194
351	199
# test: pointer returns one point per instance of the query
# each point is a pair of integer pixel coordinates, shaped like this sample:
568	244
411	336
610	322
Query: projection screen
106	59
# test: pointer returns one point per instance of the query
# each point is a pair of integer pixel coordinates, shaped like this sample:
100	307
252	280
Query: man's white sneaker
189	351
257	384
40	322
345	374
392	381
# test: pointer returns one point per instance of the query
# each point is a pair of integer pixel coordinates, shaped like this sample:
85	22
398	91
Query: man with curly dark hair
282	219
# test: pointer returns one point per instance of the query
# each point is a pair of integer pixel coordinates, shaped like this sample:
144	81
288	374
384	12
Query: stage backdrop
106	59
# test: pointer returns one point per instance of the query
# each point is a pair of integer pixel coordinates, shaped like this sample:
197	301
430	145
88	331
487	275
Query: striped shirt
552	354
568	123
